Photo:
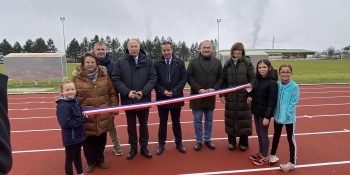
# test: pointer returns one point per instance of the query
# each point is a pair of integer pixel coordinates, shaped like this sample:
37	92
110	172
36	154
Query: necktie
168	70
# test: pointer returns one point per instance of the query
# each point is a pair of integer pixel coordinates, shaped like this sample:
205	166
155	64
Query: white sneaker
118	151
287	167
273	159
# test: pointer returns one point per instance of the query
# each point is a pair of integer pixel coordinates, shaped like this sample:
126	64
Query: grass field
304	72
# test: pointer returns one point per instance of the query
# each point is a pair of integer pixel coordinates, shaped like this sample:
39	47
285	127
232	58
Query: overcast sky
304	24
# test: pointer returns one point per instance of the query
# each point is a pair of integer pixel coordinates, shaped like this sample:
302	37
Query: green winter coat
204	74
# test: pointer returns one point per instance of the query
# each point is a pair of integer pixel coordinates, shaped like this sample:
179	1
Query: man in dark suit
134	77
204	75
5	146
171	80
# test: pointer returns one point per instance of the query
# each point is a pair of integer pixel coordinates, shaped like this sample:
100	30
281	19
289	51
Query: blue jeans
198	125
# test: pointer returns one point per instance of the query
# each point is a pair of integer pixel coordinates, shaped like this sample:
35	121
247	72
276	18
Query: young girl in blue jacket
264	99
285	114
71	120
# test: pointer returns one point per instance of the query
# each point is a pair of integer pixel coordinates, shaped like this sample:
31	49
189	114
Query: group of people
100	82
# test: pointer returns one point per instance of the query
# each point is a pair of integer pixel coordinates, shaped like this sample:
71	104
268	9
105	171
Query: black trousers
163	123
94	147
243	140
291	140
142	117
73	154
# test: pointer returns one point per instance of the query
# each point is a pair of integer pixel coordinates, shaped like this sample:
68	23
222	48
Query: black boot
132	153
160	149
144	151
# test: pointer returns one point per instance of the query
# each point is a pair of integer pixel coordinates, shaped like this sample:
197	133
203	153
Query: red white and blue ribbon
163	102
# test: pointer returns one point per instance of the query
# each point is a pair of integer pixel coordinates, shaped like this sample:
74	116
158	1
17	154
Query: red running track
323	134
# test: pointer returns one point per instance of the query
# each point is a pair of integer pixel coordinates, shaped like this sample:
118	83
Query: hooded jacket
96	95
264	95
71	120
238	118
288	98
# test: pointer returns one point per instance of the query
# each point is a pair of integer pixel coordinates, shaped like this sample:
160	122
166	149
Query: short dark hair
88	54
238	46
166	43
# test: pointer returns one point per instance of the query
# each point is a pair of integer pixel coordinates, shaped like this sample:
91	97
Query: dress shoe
160	149
198	146
103	165
132	153
89	168
210	145
181	148
144	151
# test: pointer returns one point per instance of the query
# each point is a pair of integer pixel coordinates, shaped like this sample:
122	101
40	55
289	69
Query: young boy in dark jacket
71	120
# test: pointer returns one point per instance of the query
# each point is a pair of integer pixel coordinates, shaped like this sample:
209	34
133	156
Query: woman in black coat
238	119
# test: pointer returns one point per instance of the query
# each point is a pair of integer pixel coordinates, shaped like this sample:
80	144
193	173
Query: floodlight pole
64	36
218	21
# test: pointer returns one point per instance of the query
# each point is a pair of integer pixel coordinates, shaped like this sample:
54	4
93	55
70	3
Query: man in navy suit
171	80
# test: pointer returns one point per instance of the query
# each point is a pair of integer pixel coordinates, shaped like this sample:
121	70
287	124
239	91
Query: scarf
92	75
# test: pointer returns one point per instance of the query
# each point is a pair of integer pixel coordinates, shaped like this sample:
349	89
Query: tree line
75	48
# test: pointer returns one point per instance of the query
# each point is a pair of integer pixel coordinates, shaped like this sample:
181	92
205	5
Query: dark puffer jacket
95	95
238	118
264	95
127	76
71	120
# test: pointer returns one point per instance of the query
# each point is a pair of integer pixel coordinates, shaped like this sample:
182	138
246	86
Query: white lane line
270	169
183	122
326	104
29	102
188	140
309	98
35	130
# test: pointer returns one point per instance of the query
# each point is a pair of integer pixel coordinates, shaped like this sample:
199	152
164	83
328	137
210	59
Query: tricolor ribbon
163	102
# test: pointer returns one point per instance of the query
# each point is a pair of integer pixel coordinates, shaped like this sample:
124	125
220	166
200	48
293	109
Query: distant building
275	53
255	55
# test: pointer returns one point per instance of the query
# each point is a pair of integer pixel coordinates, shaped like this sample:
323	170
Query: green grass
304	72
318	71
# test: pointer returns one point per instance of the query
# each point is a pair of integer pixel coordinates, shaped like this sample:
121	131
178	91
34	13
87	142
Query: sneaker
231	146
261	161
243	148
287	167
255	156
103	165
118	151
273	159
89	168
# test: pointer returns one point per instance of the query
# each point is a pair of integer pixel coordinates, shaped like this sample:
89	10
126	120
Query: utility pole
273	42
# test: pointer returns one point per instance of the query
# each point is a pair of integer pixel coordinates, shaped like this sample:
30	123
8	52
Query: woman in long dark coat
238	119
